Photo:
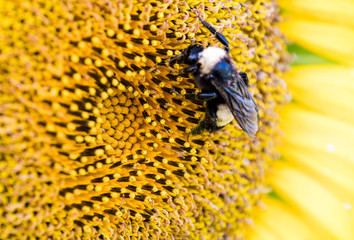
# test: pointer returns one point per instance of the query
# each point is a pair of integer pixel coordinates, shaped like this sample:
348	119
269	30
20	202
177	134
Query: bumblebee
223	88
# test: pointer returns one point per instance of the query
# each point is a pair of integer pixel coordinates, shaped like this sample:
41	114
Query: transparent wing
241	104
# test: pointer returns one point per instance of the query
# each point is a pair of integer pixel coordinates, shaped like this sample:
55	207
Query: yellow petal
340	11
315	131
328	168
314	200
281	221
325	88
326	39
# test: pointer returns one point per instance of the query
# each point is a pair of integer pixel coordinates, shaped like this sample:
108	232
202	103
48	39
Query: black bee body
222	87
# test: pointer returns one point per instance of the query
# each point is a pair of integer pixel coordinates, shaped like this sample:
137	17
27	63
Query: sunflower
313	192
94	131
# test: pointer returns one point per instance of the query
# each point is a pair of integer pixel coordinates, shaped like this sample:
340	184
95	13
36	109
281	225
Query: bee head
193	54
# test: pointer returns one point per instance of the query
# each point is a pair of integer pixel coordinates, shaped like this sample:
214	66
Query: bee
223	88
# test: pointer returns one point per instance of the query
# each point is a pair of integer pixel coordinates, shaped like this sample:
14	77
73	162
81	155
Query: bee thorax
210	57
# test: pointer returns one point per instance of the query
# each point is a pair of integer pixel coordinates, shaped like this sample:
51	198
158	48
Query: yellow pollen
109	73
126	26
98	63
136	32
82	45
95	40
75	58
154	43
110	32
153	28
137	59
82	171
120	36
87	229
91	169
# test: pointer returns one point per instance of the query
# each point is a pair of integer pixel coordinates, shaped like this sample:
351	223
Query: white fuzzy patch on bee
224	115
210	57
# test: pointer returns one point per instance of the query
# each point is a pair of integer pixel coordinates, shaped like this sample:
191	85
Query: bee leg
204	96
186	70
244	78
206	125
176	58
221	38
197	96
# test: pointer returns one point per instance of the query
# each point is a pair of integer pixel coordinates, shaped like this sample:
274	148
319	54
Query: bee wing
241	104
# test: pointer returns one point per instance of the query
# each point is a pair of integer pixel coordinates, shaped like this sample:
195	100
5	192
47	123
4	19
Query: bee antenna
221	38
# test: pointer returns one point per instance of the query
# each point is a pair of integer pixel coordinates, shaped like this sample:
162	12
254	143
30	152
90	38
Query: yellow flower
94	140
313	190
